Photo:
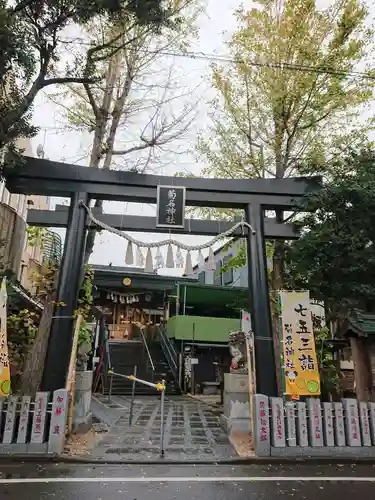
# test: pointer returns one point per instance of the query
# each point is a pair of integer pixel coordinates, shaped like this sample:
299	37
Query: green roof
360	323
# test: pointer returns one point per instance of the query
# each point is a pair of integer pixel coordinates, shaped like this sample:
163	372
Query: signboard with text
301	369
170	211
4	356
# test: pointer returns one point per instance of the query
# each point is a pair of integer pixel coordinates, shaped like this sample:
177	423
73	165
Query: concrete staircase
125	355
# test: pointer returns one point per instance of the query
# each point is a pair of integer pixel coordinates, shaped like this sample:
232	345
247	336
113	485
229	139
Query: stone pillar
82	416
236	415
261	438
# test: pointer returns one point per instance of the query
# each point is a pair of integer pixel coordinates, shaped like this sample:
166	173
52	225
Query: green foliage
35	236
238	260
83	345
328	367
84	335
45	280
267	119
31	50
21	329
335	257
85	299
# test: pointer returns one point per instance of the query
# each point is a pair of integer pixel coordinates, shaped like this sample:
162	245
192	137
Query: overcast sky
61	145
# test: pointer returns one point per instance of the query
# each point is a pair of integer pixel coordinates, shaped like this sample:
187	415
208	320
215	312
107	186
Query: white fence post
365	424
302	432
10	420
261	425
329	435
23	425
291	424
315	422
353	433
38	431
56	440
277	423
339	424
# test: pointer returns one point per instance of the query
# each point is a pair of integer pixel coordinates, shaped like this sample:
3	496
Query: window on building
228	275
218	277
202	277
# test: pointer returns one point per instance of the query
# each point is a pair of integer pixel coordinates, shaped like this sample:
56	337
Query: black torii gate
44	177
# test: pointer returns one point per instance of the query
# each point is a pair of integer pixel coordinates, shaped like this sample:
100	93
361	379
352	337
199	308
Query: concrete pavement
192	431
266	482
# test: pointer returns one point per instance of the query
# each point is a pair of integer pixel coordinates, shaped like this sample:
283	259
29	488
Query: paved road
301	482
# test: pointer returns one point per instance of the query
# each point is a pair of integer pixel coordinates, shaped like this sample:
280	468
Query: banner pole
132	399
162	401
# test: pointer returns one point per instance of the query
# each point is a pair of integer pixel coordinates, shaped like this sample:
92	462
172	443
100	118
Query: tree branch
66	79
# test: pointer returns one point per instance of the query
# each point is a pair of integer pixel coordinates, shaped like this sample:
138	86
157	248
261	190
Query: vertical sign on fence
261	425
302	425
365	424
291	424
329	435
56	439
372	421
339	424
23	424
10	420
277	419
300	363
38	431
4	356
352	422
315	421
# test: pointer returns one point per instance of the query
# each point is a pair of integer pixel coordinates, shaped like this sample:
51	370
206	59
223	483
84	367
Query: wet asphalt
186	482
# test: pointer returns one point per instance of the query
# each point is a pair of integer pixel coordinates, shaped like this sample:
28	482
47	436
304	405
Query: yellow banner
301	371
4	357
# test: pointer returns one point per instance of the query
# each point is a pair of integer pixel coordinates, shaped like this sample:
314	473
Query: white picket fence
313	428
37	426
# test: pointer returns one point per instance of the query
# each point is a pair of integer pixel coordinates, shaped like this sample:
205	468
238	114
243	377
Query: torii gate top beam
45	177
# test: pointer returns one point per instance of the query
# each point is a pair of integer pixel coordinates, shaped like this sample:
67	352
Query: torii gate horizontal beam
136	223
45	177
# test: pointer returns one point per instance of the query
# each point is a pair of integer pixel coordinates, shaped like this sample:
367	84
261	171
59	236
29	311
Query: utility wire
259	64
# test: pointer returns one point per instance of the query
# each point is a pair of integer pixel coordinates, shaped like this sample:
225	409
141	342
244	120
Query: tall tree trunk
276	285
98	148
34	365
277	260
362	369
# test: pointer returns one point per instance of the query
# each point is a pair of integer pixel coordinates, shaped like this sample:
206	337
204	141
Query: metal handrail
147	349
169	347
168	341
108	352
